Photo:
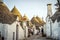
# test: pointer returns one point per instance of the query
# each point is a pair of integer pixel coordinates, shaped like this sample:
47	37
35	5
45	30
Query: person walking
42	31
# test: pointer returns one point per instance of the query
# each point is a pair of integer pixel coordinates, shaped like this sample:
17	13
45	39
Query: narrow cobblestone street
37	37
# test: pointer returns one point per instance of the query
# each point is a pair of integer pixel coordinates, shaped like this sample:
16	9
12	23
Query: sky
31	7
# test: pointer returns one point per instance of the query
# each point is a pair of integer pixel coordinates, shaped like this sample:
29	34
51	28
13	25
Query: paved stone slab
37	37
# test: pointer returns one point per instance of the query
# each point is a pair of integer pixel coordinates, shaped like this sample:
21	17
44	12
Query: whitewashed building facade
10	28
48	21
7	23
53	25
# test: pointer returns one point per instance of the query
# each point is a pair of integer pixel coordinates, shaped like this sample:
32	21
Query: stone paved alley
37	37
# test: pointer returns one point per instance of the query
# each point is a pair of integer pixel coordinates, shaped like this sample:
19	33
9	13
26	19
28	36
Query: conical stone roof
56	16
35	21
17	13
5	15
39	19
25	18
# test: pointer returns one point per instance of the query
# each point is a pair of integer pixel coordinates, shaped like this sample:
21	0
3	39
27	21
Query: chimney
49	10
